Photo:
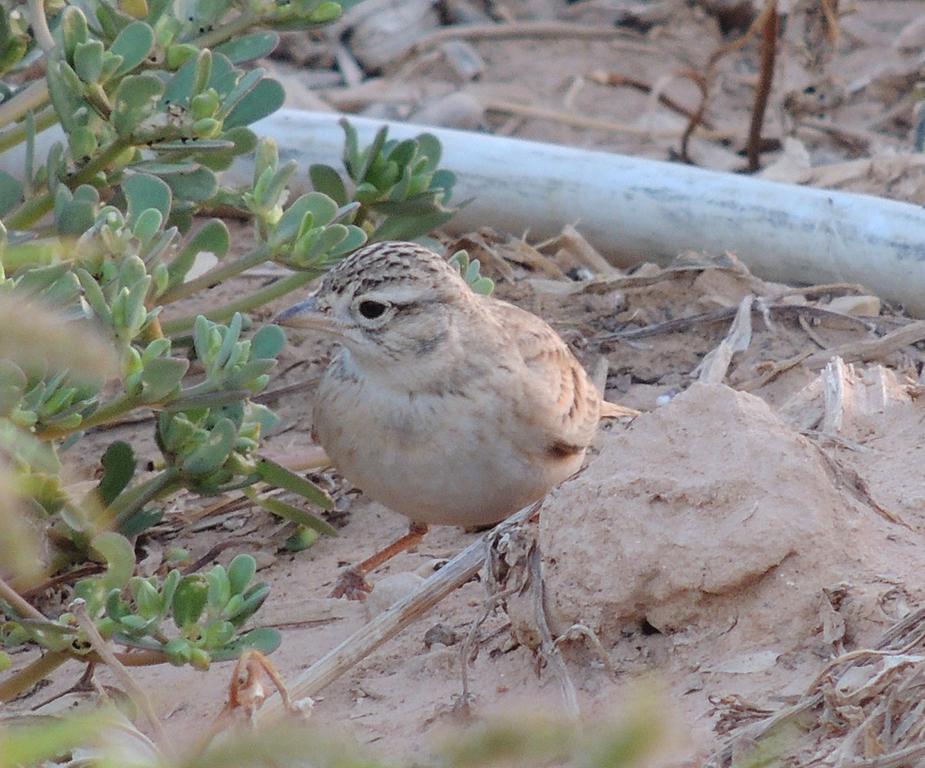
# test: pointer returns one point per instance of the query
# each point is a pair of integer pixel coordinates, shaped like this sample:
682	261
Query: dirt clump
708	514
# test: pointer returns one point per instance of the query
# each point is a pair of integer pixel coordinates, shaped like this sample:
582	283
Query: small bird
447	406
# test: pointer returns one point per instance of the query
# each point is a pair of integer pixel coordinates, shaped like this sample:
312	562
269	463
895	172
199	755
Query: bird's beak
305	314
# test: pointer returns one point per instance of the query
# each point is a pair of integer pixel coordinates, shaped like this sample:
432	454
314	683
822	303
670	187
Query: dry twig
515	580
695	118
529	29
769	34
247	691
17	603
616	80
899	639
386	625
794	311
771	370
132	688
872	349
579	121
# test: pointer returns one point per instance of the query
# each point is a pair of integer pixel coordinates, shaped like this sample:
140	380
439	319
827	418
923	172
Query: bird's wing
556	399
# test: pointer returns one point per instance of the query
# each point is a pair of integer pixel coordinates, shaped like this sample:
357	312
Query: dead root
514	580
864	710
247	690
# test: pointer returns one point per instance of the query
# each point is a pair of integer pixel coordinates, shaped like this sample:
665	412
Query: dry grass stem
616	80
108	657
528	29
17	603
406	611
582	121
872	349
896	642
771	370
769	35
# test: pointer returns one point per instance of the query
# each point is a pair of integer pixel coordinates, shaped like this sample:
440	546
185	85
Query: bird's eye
372	309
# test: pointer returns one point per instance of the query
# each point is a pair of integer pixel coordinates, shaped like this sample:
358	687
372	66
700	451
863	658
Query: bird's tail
614	411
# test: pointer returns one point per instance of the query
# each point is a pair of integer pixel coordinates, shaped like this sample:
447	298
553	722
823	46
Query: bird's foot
352	585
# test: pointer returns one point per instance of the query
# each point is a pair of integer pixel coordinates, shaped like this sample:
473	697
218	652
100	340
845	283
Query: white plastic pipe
635	210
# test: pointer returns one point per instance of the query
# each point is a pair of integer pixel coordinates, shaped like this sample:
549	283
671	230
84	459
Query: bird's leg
352	583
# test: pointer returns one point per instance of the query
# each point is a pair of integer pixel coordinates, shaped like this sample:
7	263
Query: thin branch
63	578
23	679
524	29
616	80
697	118
389	623
217	275
178	325
582	121
17	133
763	90
740	42
17	603
832	30
794	311
871	349
132	688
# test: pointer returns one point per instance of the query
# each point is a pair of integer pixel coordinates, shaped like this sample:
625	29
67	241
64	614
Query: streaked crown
391	263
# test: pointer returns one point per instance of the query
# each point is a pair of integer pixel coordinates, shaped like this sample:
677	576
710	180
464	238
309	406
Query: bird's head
388	303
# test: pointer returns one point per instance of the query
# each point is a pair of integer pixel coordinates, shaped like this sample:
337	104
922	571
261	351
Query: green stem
112	410
32	210
361	214
207	397
16	134
103	415
29	212
179	325
98	163
217	275
43	666
133	500
220	34
23	680
30	99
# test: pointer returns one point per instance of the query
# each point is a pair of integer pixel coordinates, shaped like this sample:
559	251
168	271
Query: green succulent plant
100	242
401	191
193	619
471	273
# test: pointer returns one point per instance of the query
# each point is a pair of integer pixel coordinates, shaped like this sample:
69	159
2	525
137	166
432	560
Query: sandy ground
702	544
726	545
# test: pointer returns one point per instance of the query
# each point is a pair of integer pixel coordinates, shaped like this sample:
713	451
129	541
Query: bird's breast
437	459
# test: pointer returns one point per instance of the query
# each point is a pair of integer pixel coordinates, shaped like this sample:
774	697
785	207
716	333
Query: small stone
440	633
456	110
857	306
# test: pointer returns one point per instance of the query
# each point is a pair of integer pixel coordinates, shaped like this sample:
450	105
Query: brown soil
726	544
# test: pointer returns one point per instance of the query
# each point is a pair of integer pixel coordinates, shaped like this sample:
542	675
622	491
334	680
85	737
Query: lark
447	406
